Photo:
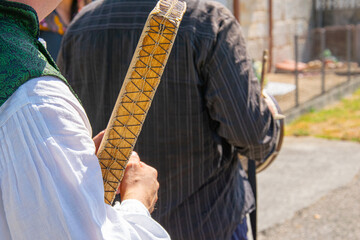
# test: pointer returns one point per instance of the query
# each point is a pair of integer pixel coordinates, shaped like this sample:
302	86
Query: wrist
136	195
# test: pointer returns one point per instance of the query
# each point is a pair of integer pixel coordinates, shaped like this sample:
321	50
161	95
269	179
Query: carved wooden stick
137	92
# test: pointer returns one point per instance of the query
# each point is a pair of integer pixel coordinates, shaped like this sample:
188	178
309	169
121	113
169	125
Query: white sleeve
51	183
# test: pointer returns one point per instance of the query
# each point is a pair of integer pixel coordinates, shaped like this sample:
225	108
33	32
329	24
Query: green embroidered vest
22	56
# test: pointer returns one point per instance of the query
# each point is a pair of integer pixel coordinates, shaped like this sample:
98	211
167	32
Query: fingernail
134	154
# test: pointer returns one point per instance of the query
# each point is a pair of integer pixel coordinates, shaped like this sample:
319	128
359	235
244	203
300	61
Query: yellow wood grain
137	92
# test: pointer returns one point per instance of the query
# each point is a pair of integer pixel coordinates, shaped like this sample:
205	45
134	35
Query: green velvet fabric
22	56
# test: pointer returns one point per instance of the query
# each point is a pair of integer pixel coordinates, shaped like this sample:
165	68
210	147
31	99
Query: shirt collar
22	14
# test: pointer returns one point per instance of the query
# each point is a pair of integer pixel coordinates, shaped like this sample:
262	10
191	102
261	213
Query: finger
144	164
156	198
99	135
133	160
152	207
97	140
137	159
134	157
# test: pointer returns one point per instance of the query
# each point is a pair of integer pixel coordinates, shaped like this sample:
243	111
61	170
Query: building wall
289	17
254	21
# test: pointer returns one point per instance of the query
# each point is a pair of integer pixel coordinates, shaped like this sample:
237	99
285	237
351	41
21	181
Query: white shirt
50	179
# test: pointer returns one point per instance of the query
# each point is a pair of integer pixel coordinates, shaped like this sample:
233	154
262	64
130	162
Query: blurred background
314	45
312	190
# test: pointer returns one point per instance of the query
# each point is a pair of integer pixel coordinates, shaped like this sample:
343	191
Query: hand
140	183
97	140
271	105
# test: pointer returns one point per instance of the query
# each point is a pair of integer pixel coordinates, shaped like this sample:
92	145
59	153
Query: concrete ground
311	191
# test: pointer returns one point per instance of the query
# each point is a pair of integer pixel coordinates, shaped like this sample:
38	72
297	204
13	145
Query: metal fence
336	4
325	60
336	12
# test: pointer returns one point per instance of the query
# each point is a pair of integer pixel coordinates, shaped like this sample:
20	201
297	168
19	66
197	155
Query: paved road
311	191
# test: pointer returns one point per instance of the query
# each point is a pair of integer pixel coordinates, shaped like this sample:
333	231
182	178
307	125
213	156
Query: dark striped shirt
207	105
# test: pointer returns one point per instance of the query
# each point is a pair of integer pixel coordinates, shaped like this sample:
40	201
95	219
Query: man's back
206	101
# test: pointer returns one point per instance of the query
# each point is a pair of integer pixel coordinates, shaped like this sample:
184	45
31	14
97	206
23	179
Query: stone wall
289	17
254	21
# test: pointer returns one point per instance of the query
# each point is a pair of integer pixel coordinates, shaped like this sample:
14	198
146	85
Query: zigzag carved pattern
134	99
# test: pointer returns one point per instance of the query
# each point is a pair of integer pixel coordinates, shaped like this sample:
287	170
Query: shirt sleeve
51	183
233	93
